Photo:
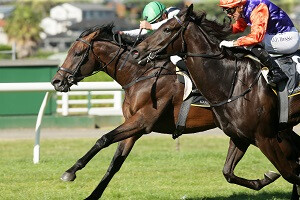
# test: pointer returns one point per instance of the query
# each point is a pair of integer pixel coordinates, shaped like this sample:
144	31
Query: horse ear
95	35
190	10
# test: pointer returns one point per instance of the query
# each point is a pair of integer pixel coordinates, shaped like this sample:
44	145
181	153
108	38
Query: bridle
72	78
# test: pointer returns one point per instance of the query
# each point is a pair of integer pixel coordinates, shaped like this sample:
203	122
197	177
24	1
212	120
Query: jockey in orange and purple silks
271	31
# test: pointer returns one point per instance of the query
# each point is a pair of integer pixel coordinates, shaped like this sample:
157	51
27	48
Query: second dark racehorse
244	105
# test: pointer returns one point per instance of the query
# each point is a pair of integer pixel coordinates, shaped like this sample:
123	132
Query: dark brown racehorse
145	109
244	105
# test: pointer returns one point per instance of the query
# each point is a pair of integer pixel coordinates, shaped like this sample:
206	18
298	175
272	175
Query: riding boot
275	75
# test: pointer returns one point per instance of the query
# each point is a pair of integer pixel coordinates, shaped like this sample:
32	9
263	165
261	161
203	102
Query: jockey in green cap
154	15
153	11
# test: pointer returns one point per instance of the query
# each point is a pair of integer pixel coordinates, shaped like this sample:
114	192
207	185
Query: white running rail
49	89
101	103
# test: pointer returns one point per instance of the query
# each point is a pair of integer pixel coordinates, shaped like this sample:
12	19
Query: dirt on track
56	133
51	133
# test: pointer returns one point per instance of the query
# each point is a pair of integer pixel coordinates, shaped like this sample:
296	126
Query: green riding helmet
153	11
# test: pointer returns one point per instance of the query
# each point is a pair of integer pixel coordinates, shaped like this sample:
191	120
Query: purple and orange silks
264	17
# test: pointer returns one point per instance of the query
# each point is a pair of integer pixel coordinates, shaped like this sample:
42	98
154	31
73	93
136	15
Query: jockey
271	31
156	14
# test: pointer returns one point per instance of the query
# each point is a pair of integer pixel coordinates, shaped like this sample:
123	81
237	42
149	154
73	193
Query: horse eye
77	53
167	30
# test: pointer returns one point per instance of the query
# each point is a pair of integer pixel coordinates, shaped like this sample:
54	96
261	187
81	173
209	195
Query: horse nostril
56	82
135	53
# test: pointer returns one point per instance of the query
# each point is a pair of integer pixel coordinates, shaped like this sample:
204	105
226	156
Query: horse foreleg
235	154
128	129
121	154
295	195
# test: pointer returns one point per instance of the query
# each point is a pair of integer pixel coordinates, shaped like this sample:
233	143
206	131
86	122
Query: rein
157	74
233	98
121	67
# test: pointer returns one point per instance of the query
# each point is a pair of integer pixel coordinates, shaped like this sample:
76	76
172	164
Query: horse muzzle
60	85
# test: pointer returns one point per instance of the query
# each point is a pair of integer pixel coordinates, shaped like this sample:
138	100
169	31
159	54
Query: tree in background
23	26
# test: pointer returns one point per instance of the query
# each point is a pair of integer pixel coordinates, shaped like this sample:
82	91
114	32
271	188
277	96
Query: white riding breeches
282	43
175	59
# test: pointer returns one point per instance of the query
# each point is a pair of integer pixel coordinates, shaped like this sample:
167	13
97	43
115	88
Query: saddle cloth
190	90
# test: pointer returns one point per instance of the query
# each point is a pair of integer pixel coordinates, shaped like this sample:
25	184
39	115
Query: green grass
153	170
100	76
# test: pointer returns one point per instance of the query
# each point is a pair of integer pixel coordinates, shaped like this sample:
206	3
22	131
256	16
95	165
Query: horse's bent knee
252	184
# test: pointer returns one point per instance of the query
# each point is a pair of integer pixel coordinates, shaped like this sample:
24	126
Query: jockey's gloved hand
226	43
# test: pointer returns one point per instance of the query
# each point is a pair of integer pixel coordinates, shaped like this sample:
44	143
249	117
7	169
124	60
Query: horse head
85	57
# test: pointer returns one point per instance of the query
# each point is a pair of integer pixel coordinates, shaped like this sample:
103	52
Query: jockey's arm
239	26
156	25
135	32
171	12
259	20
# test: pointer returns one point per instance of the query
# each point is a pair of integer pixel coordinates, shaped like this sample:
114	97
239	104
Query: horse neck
129	69
212	76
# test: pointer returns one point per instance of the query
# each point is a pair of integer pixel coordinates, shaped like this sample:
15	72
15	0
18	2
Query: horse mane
130	40
215	30
106	32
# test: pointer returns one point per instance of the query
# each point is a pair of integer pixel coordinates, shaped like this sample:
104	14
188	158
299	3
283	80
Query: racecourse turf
154	170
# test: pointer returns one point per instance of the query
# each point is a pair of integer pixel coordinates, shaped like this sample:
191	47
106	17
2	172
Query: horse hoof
272	175
176	135
67	176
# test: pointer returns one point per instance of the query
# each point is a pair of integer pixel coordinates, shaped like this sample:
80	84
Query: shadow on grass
243	196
